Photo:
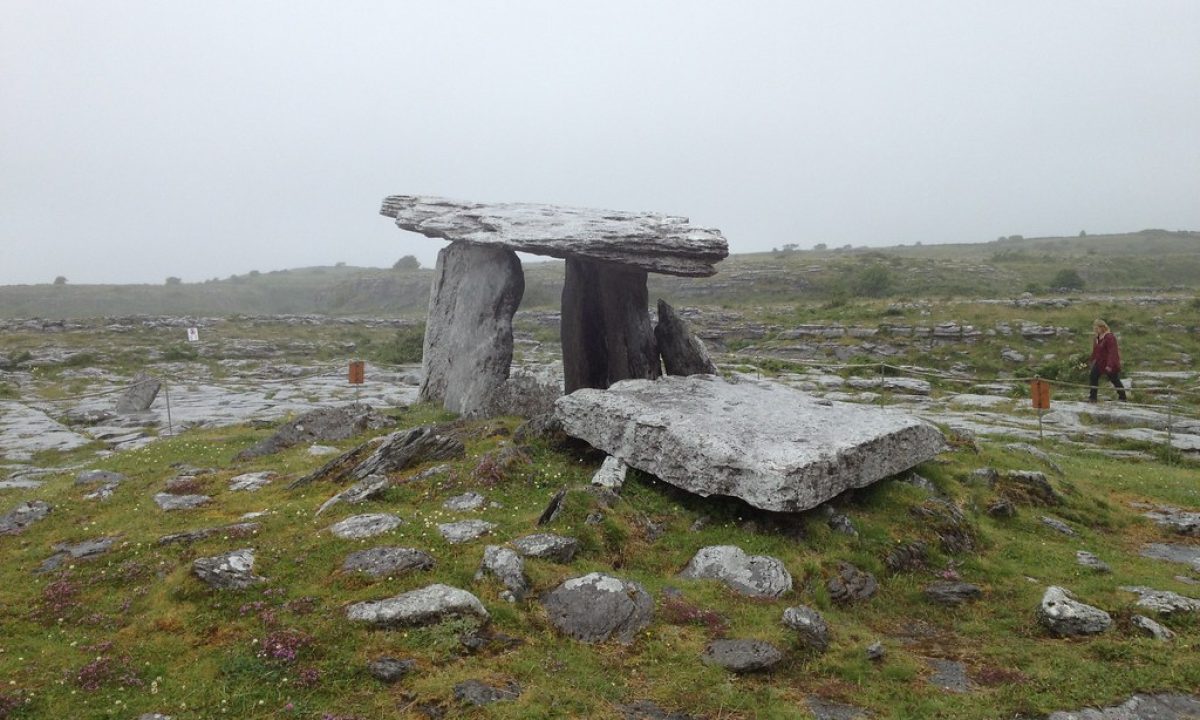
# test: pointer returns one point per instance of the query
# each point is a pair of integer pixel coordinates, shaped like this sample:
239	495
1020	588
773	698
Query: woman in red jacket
1106	360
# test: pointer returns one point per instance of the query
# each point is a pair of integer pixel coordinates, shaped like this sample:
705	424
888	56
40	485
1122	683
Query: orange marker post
1039	392
357	375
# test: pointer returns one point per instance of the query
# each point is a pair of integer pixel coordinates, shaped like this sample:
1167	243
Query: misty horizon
203	142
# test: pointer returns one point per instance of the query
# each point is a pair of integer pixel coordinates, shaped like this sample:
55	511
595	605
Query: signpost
193	334
1039	392
357	375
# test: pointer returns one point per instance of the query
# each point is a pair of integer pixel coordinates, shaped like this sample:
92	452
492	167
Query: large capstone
648	241
597	607
468	335
776	448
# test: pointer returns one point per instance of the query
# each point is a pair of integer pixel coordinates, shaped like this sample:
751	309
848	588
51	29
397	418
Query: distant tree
173	280
408	262
340	263
820	246
255	273
60	280
1068	279
1083	233
873	281
790	247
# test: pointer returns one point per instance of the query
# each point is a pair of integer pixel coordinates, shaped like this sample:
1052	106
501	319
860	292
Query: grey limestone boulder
251	482
1163	602
1165	706
231	571
774	447
357	527
426	606
682	352
465	502
1171	552
171	502
369	488
507	566
139	396
1150	628
546	546
22	516
742	656
384	561
611	474
811	628
98	477
752	575
596	607
69	552
1183	522
389	669
1064	616
468	333
465	531
320	425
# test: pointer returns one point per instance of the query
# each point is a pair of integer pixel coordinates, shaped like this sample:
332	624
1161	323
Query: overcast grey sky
147	138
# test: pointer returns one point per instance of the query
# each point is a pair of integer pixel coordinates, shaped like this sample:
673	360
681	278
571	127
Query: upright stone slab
606	333
140	394
468	335
774	447
682	352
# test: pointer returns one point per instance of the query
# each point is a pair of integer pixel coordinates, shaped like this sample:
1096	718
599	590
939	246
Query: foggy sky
142	139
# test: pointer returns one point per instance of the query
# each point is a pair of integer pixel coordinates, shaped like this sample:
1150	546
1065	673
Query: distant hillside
1150	259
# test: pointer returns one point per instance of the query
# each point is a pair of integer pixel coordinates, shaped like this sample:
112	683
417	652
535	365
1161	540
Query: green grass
179	647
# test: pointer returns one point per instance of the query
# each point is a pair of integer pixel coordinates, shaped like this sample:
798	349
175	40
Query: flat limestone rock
774	447
1165	706
656	243
426	606
357	527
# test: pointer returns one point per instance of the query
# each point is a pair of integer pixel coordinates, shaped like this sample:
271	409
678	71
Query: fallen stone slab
369	488
170	502
426	606
1163	602
236	530
742	656
67	552
546	546
465	531
951	593
597	607
22	516
251	482
357	527
474	692
751	575
1184	554
387	561
656	243
776	448
407	448
321	425
1064	616
231	571
1166	706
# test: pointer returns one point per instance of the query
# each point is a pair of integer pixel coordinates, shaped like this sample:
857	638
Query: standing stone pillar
468	336
606	333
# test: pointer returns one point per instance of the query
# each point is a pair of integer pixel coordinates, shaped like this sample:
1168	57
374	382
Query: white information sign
193	334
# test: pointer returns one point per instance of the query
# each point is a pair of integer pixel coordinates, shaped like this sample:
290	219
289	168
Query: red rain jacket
1105	354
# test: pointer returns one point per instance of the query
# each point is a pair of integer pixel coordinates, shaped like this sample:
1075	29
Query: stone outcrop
358	527
811	629
231	571
468	334
682	352
648	241
776	448
384	561
1165	706
22	516
321	425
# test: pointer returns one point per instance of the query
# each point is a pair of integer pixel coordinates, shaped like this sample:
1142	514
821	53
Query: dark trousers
1113	377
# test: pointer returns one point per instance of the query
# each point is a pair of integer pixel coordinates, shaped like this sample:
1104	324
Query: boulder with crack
776	448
